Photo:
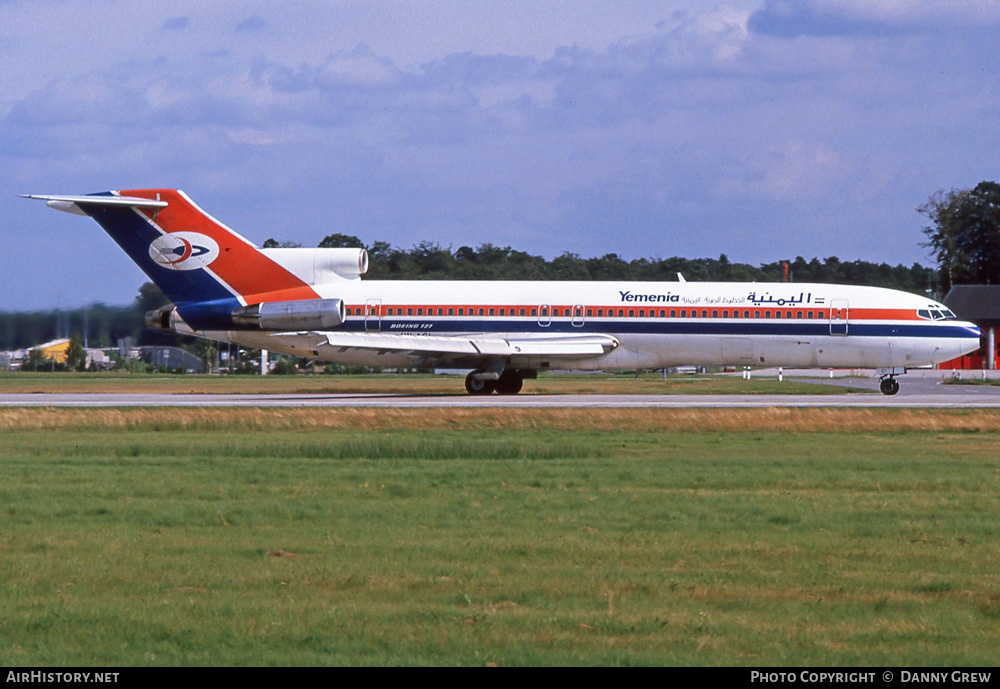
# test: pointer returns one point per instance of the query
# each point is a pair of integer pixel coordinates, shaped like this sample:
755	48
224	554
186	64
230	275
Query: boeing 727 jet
313	303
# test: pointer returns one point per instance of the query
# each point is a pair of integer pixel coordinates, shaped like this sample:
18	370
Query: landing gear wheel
889	386
479	387
510	383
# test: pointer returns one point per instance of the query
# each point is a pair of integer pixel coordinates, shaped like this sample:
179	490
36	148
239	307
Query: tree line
431	261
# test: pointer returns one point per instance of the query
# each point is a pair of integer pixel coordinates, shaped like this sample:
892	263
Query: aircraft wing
469	347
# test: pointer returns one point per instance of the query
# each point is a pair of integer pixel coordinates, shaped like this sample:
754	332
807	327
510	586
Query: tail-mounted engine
308	314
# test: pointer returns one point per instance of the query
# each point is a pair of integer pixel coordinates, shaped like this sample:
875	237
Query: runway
977	398
929	390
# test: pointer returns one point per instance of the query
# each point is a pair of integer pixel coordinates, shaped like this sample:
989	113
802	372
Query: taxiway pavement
926	389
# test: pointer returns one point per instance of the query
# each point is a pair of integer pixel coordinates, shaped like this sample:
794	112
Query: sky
759	129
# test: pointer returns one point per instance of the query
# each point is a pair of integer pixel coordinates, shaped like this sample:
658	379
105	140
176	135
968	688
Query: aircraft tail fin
202	265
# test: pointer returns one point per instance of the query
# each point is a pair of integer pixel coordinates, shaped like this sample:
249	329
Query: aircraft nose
971	340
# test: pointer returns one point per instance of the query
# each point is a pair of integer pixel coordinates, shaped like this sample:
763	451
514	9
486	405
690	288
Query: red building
981	305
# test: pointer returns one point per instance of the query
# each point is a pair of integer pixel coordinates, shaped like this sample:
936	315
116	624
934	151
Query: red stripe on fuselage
239	263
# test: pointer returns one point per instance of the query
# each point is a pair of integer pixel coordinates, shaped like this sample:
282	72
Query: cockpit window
937	314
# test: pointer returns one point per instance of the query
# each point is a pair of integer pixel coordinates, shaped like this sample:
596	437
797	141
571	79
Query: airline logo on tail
184	251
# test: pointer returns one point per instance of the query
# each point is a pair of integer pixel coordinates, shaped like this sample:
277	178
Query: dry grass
360	419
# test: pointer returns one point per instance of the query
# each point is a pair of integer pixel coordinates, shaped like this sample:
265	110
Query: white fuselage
656	325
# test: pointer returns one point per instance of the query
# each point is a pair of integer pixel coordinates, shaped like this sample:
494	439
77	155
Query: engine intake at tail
307	314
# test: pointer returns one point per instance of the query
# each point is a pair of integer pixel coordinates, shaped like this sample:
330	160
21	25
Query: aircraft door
839	317
373	315
545	315
578	316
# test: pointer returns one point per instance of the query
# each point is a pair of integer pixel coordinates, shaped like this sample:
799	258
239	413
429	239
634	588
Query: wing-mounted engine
321	266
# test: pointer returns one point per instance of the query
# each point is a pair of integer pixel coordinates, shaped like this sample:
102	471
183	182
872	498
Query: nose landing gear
887	379
889	386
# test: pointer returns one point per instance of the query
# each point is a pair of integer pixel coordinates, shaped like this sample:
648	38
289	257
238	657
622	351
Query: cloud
701	132
176	23
787	19
862	18
252	24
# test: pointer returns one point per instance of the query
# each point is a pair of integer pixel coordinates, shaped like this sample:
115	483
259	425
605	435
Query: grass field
509	537
547	384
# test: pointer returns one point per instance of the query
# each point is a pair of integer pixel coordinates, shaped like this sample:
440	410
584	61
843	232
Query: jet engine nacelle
307	314
321	266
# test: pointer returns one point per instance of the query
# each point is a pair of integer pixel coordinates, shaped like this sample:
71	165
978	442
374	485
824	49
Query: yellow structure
56	349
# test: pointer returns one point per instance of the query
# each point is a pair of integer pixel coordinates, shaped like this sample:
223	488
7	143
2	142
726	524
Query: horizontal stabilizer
71	204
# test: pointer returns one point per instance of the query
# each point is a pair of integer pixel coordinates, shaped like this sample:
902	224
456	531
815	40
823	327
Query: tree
76	355
341	241
150	297
964	235
272	243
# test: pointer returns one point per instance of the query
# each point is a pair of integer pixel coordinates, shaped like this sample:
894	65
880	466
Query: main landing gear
887	380
508	382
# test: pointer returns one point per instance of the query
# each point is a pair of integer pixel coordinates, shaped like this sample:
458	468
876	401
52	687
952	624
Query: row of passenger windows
577	312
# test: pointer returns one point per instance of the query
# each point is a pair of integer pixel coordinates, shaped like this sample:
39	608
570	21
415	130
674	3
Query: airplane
313	303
